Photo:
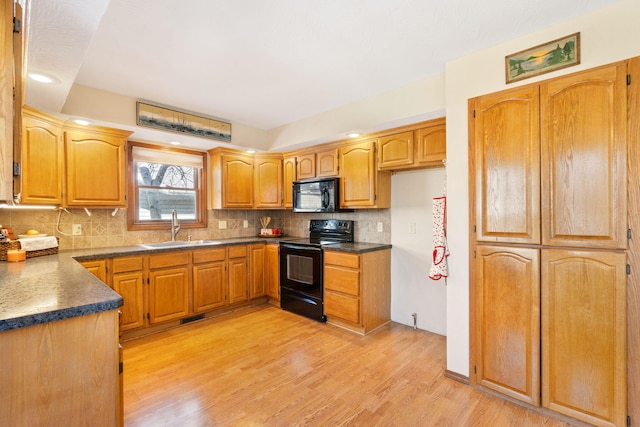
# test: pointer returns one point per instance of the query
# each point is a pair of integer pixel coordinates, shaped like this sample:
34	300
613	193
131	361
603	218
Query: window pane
157	204
163	175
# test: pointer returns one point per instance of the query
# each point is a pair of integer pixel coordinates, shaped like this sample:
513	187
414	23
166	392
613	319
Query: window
162	180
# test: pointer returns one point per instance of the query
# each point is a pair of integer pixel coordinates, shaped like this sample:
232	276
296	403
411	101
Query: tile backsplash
106	227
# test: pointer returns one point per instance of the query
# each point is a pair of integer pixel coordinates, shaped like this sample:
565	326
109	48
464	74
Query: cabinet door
584	334
584	194
396	151
327	163
508	321
507	178
431	145
358	175
95	165
272	271
130	287
306	166
42	158
209	286
237	181
168	294
268	182
257	270
98	268
238	278
289	175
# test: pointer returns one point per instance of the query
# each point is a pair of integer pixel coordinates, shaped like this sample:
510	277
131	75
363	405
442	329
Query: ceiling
261	63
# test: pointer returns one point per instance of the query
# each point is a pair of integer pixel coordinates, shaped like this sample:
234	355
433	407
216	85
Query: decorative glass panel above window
164	180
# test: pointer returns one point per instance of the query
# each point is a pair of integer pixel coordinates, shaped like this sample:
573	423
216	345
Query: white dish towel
38	243
440	268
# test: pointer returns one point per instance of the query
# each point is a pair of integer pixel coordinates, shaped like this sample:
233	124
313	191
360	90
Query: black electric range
301	266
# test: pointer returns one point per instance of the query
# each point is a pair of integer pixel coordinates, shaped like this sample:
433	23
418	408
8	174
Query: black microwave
317	195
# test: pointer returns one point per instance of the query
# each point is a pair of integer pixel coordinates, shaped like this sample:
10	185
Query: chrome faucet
175	225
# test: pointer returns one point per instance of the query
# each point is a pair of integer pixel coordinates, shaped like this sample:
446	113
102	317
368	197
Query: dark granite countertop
54	287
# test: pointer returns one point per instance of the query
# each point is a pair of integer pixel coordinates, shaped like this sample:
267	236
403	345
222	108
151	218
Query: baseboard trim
456	376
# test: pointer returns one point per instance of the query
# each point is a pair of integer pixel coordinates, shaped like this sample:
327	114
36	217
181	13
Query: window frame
133	223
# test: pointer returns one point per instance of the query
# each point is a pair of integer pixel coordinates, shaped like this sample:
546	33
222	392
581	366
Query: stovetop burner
326	232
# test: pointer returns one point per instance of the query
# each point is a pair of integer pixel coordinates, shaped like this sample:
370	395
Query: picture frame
543	58
172	120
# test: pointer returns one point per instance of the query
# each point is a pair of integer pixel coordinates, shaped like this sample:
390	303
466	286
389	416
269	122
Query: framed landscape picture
169	119
554	55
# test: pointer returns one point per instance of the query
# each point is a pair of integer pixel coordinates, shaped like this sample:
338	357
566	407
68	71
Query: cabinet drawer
237	251
169	259
342	306
342	280
208	255
125	264
341	258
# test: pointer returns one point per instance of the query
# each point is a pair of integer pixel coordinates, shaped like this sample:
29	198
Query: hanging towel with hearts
439	268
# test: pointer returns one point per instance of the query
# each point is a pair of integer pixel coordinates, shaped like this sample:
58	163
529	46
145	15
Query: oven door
301	269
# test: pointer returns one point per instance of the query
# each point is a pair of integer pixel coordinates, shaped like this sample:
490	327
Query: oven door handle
298	247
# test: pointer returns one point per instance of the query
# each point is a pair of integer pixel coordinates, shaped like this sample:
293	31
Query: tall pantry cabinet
550	244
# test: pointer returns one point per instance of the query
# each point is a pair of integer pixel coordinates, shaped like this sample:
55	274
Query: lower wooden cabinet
128	280
169	284
257	270
551	329
209	279
238	274
357	289
272	272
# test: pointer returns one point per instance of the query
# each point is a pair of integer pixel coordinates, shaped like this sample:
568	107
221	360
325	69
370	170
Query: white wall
607	35
412	291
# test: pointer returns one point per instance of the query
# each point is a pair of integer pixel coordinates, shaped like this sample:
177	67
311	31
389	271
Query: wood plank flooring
267	367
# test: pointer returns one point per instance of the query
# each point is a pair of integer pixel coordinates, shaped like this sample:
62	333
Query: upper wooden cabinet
551	162
42	158
63	164
584	156
361	185
232	179
95	166
318	163
245	181
306	166
327	163
414	148
289	175
267	181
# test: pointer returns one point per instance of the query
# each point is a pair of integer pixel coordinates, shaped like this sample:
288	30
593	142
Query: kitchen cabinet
232	179
95	166
42	158
327	163
306	167
169	284
272	272
289	175
361	184
550	182
98	268
267	176
209	279
257	268
357	289
238	274
414	147
127	279
60	372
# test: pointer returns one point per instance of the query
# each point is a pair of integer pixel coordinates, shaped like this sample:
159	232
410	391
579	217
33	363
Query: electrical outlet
380	229
412	228
77	230
245	223
222	225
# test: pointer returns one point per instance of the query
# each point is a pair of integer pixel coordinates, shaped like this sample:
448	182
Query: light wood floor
267	367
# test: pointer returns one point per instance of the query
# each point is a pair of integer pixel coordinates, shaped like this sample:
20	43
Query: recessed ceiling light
353	135
175	143
82	122
251	151
42	78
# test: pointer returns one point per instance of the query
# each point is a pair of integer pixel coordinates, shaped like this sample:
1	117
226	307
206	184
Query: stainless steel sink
179	244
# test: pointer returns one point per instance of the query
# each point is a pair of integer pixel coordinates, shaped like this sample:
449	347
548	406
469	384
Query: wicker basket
15	244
